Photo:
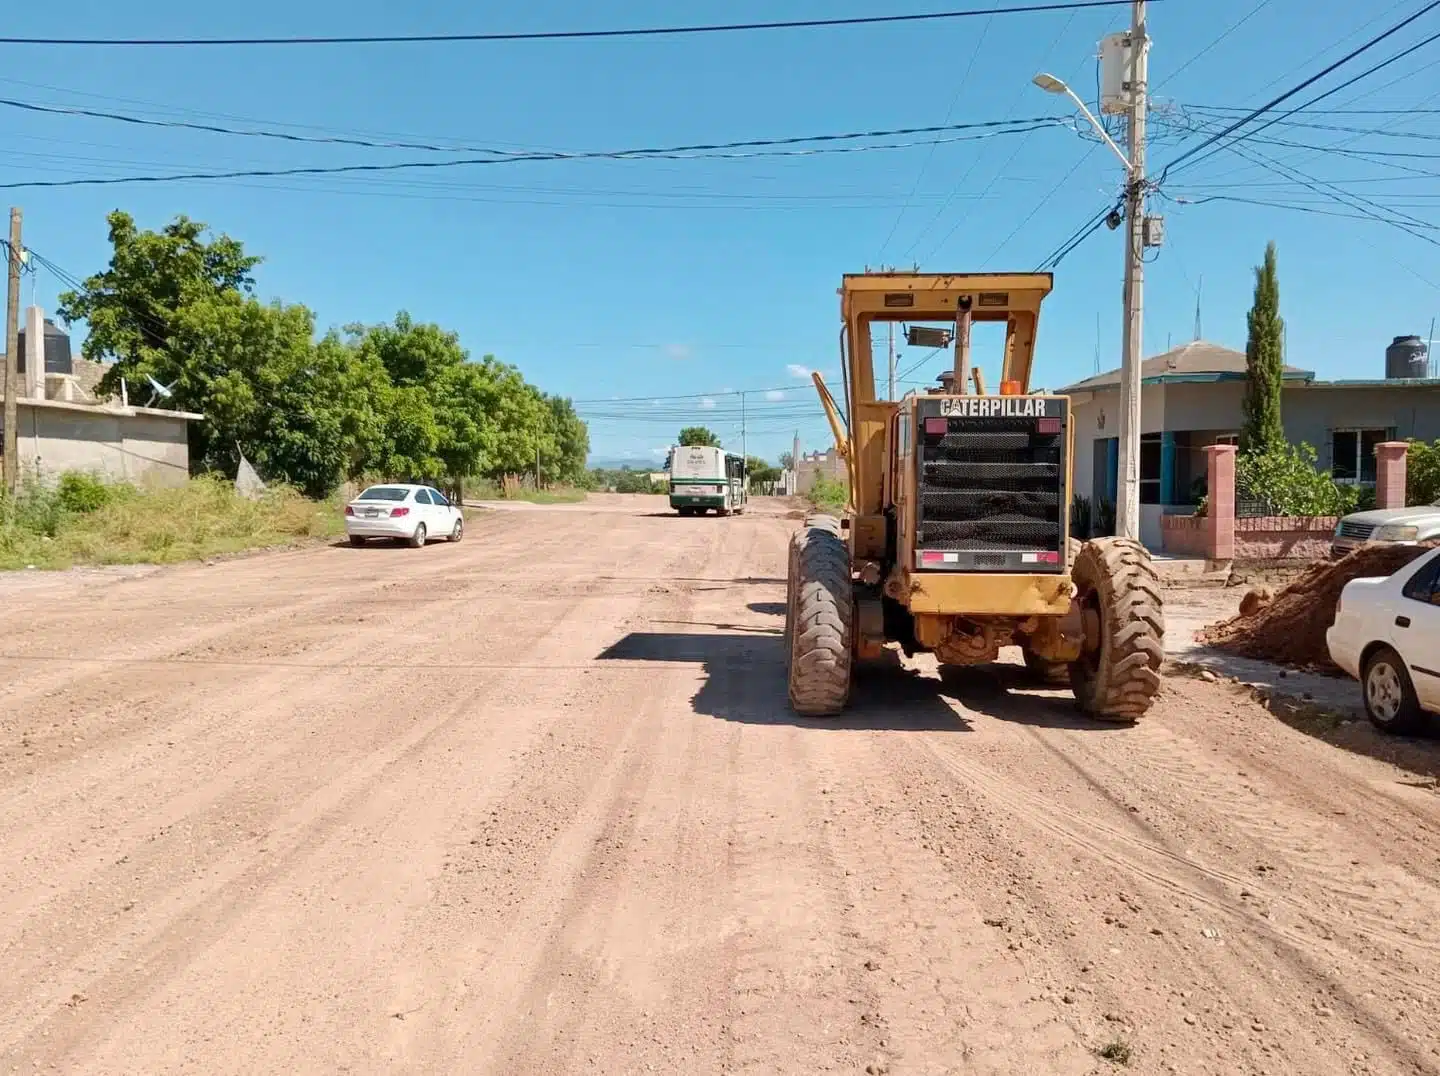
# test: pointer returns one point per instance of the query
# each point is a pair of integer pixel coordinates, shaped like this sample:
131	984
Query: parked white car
1387	634
413	514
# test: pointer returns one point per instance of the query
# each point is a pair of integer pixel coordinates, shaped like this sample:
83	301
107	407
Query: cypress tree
1264	363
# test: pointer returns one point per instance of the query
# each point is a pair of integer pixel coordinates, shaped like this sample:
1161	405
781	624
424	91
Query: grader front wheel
1055	673
819	620
1118	674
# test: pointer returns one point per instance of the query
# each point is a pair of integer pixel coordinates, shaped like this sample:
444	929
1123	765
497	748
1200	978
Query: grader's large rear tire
1118	674
819	619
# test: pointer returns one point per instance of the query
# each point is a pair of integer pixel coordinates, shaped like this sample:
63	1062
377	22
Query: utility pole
743	442
1127	516
537	466
892	360
12	361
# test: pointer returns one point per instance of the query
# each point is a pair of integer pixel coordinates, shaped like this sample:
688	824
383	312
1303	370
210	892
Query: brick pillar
1220	518
1390	474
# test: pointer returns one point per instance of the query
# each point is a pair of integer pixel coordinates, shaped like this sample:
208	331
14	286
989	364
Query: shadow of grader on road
745	682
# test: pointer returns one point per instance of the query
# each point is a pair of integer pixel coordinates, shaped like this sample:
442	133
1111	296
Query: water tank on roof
57	350
1406	357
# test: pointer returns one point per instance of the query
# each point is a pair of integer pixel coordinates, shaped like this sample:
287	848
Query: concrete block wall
1219	536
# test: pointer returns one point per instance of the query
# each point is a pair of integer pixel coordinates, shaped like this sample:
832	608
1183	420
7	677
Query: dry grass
204	518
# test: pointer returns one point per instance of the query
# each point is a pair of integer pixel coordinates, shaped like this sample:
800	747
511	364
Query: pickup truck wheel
1390	700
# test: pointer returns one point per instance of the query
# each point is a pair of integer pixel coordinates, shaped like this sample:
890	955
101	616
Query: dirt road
534	803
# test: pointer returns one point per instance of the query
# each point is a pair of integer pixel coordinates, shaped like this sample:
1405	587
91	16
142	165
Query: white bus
704	478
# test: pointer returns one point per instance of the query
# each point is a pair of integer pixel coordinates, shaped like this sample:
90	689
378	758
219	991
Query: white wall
1086	411
137	448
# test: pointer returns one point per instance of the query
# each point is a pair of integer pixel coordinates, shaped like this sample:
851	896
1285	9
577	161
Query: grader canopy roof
1013	298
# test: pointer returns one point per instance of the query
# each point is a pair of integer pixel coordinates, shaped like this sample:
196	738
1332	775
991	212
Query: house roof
1199	360
105	409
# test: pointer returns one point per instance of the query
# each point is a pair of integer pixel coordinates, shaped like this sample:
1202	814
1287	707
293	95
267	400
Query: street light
1050	84
1136	42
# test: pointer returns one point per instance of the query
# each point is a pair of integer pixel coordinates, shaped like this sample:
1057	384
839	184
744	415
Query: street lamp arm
1051	84
1099	128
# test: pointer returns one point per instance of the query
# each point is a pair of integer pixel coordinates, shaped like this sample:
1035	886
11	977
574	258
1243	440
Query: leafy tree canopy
692	436
397	400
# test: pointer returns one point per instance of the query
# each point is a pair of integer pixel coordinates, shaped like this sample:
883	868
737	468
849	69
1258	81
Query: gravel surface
534	803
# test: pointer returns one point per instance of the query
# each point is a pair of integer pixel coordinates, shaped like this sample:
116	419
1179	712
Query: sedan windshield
383	493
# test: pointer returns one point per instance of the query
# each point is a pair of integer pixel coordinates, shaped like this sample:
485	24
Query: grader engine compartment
990	473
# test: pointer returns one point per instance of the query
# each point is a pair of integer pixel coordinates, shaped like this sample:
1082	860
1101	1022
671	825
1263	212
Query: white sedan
410	513
1387	633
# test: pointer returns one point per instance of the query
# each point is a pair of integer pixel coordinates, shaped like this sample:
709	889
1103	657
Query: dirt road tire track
536	802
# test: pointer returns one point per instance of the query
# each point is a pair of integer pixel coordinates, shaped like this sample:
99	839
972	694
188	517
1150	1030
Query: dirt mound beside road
1290	628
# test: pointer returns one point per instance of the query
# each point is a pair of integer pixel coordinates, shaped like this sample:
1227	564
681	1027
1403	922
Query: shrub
1422	473
82	493
829	493
1287	482
202	518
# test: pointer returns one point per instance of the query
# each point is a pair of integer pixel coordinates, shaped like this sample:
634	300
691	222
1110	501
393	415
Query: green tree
787	460
692	436
130	308
299	411
1262	431
760	473
572	441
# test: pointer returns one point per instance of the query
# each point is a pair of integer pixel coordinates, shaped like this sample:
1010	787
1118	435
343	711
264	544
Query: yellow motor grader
956	538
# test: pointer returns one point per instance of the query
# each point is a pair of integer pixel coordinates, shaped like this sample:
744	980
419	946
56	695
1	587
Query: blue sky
649	279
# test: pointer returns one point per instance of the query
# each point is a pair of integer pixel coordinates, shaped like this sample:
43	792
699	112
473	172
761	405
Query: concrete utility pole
12	361
1127	514
743	443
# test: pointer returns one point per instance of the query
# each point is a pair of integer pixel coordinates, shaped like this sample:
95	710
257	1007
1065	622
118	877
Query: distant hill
637	463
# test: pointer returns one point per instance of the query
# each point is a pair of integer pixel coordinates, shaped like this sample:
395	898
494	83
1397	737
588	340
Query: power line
1298	207
1254	113
924	166
562	35
1336	89
1223	35
432	147
714	151
1041	204
1091	225
964	216
1332	111
1365	206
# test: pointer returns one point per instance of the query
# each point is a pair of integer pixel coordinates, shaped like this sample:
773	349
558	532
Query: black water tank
57	350
1406	357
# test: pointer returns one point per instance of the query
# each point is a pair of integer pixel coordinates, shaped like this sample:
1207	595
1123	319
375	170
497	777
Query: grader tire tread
821	624
1054	673
1127	679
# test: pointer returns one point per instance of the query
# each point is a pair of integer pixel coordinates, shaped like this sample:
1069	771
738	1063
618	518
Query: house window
1150	468
1352	454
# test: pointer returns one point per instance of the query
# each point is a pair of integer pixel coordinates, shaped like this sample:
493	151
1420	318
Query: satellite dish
160	391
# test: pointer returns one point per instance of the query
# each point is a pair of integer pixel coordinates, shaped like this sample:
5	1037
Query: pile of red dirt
1289	629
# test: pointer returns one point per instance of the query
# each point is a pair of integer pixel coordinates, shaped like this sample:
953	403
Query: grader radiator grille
991	483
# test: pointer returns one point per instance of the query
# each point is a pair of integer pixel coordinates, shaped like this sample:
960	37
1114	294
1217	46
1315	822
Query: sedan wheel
459	531
418	538
1390	700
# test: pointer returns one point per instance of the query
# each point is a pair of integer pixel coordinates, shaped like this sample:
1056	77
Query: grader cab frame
955	540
